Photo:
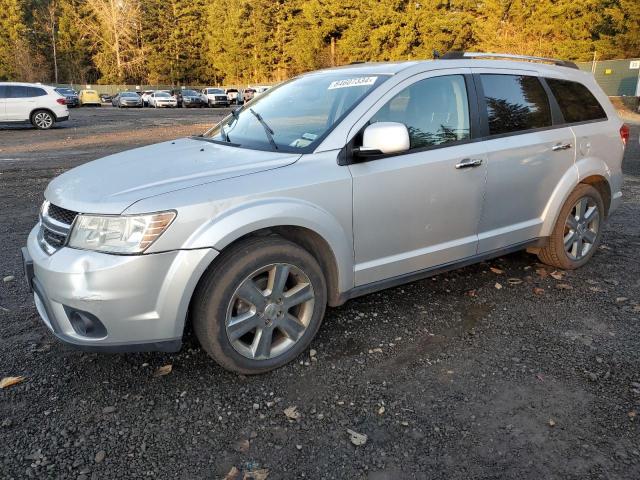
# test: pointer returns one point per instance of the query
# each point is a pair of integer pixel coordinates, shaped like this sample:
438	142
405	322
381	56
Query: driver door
420	209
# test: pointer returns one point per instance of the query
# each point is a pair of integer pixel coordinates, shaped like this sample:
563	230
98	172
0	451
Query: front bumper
139	302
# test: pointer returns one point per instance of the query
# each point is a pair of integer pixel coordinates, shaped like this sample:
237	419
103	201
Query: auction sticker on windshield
352	82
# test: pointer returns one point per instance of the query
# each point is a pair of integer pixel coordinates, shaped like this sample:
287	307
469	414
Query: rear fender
583	168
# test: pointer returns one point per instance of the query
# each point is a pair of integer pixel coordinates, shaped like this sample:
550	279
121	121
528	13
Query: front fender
232	224
583	168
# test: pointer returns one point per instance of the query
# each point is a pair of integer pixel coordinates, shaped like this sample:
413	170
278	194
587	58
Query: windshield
128	94
189	93
215	90
65	91
295	116
162	95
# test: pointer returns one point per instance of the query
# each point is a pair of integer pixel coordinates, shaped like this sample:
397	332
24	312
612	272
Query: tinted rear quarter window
576	102
515	103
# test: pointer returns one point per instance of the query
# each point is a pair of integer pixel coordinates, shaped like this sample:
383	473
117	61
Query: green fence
617	78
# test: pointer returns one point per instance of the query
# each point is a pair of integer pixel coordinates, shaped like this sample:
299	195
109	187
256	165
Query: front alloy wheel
270	311
259	305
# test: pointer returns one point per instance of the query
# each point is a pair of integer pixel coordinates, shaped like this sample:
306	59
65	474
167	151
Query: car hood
111	184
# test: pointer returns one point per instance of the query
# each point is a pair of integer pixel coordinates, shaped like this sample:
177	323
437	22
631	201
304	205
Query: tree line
182	42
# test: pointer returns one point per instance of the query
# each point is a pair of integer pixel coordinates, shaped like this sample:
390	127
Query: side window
36	92
515	103
576	102
435	111
4	91
18	91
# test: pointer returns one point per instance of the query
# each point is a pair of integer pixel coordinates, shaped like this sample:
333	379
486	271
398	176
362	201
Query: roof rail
459	55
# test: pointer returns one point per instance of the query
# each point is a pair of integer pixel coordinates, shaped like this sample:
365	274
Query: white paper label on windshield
352	82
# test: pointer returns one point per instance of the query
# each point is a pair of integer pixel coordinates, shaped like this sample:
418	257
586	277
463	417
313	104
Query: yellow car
89	97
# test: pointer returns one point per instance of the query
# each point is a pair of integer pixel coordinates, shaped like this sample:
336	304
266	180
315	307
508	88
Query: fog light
85	323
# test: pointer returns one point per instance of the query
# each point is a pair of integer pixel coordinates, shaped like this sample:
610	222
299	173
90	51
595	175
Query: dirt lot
450	377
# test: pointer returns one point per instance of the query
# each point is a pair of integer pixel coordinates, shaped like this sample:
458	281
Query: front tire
578	230
42	119
260	305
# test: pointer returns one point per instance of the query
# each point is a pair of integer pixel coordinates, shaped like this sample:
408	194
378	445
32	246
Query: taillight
61	101
624	134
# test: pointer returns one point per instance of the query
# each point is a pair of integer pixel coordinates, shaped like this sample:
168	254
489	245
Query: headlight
118	234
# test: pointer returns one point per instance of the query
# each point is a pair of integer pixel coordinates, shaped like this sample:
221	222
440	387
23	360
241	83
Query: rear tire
42	119
260	305
578	230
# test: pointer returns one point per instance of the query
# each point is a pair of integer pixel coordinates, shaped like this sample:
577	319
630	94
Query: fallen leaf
552	422
596	289
375	350
514	281
357	438
497	271
9	381
538	291
292	412
260	474
163	370
557	275
632	414
621	299
540	377
232	474
564	286
471	293
498	286
381	410
542	272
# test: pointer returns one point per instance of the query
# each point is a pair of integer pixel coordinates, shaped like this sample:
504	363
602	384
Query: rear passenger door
19	103
529	151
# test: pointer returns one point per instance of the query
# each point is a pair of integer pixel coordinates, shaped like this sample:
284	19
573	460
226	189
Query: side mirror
384	137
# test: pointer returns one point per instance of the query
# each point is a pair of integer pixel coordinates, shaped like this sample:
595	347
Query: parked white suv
335	184
41	105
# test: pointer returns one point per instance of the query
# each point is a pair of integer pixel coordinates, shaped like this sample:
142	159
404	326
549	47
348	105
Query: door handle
561	146
469	163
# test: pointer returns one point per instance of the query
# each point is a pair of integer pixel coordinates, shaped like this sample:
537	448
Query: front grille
54	239
220	97
55	225
61	214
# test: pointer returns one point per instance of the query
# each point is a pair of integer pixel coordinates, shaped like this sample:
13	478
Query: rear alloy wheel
578	230
260	305
42	120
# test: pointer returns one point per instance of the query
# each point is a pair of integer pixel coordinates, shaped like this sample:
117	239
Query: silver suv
332	185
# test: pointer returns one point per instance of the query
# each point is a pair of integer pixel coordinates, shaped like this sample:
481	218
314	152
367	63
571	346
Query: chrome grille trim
53	232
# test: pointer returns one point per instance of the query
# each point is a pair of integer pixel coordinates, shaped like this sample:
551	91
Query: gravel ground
450	377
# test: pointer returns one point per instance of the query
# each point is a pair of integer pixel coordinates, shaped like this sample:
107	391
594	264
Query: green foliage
12	34
253	41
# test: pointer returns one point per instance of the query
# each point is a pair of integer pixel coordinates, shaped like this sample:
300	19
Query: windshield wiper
267	128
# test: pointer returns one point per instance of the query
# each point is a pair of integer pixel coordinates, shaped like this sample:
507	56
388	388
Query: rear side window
36	92
4	91
576	102
515	103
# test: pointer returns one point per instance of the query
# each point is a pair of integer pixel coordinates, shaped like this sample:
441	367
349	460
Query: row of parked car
207	97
